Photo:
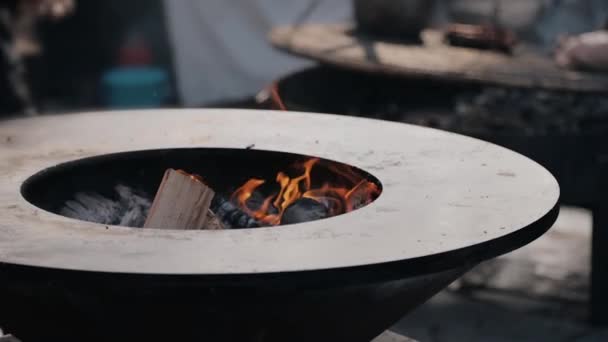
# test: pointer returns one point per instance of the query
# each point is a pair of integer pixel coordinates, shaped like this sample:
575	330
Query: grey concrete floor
537	293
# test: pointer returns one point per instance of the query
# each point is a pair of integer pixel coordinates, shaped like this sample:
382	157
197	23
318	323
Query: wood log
182	202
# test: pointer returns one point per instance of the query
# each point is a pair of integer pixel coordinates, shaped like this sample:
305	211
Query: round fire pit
447	202
134	177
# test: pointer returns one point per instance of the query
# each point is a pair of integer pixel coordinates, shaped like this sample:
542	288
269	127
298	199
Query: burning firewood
186	201
299	199
182	202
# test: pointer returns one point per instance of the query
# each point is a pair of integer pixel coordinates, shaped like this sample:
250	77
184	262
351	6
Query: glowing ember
192	176
349	192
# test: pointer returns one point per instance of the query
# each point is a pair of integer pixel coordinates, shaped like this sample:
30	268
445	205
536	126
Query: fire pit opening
253	188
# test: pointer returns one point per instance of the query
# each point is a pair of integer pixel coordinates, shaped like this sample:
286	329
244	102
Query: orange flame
275	98
356	192
193	176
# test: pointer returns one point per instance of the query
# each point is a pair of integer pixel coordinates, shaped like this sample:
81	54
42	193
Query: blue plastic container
135	87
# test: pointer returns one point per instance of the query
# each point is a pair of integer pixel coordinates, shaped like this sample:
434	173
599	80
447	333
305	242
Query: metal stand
599	266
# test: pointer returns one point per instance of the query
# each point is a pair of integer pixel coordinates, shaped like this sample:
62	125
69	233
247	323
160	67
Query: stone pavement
389	336
537	293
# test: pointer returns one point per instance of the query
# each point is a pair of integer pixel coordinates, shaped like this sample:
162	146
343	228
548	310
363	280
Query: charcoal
304	210
489	110
527	111
256	200
231	215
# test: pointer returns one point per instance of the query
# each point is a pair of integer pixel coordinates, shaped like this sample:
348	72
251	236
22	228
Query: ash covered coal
128	208
231	215
304	210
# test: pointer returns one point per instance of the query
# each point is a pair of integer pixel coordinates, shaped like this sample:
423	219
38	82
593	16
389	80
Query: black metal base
387	336
109	307
599	267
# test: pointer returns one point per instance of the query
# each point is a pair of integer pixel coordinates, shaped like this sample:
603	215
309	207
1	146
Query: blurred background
212	51
538	86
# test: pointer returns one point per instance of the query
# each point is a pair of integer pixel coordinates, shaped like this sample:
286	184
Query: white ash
129	207
7	338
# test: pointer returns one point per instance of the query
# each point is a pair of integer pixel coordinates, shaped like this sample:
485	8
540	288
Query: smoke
129	208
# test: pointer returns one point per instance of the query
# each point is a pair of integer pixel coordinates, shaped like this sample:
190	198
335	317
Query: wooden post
182	202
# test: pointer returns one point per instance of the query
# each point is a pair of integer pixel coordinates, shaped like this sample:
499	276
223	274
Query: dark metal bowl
394	18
